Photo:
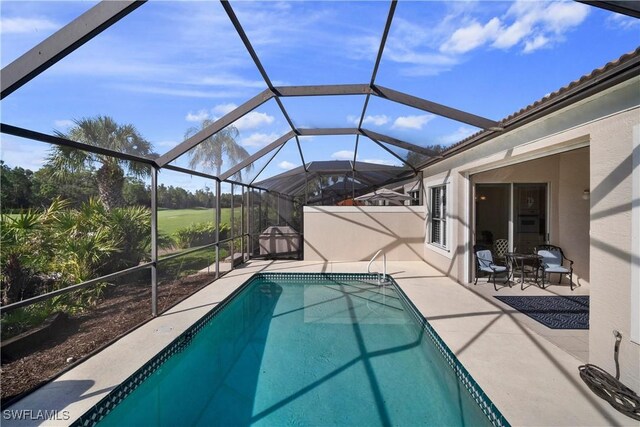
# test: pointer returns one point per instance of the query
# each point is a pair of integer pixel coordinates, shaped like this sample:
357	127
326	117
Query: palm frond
211	152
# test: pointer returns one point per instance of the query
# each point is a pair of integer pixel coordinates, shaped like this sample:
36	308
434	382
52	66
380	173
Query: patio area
573	341
496	345
156	155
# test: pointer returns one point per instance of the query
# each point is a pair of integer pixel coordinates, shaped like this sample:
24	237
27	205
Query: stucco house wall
600	128
611	252
356	233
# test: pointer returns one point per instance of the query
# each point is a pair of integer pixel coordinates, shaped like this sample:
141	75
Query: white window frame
438	248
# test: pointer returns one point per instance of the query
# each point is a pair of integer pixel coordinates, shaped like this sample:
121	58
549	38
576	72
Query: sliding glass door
515	212
530	216
493	212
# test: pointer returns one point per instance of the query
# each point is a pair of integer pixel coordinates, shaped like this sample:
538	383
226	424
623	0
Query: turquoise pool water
297	350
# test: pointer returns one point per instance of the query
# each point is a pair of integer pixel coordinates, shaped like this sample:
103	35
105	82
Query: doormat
555	312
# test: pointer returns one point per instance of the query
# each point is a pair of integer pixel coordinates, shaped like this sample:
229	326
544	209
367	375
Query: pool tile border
120	392
473	388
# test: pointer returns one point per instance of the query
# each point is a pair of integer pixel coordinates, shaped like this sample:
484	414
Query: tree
77	188
211	152
103	131
16	187
136	192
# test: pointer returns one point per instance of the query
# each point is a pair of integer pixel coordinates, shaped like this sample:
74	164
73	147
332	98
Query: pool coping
98	411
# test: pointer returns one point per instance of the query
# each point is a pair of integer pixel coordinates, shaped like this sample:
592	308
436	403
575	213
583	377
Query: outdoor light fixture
585	194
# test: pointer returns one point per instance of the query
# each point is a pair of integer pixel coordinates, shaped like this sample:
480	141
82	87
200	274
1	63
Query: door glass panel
492	213
530	216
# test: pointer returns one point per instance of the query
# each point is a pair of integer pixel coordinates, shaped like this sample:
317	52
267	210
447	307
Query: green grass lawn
170	220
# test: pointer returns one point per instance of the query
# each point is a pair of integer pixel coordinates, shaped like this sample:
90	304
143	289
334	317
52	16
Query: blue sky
169	65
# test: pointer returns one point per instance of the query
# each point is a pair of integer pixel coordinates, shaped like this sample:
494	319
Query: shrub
199	234
51	249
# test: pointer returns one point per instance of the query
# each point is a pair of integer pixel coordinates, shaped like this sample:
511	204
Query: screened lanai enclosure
151	147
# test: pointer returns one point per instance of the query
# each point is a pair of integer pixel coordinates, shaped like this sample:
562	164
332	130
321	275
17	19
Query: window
415	197
438	234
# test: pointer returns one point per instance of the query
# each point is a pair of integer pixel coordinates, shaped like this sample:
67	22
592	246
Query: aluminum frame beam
329	90
154	241
245	40
398	143
257	155
209	176
56	140
254	56
328	131
374	73
383	40
322	90
435	108
215	127
371	135
63	42
268	162
626	7
304	164
390	95
393	154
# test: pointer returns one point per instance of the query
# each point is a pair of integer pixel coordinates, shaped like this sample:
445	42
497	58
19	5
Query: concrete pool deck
529	378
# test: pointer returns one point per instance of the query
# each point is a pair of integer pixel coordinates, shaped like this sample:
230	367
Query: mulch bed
122	308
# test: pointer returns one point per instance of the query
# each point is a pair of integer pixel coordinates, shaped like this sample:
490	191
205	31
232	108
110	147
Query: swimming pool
303	349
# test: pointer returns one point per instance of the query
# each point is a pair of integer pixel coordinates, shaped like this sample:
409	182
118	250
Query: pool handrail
384	265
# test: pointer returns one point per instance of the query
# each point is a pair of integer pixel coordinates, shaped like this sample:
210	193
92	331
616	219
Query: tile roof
626	61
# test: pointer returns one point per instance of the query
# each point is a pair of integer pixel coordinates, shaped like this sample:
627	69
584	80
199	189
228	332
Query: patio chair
553	261
484	263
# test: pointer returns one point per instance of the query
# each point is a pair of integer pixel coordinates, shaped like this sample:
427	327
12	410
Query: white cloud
342	155
286	165
458	135
531	25
377	120
562	16
535	44
197	117
26	25
470	37
229	81
63	124
166	144
258	139
224	108
511	35
412	122
617	20
26	154
253	120
186	93
415	46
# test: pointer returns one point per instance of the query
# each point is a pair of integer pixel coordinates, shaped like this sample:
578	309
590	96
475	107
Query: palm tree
211	152
104	132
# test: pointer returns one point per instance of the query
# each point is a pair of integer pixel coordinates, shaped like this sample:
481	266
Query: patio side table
518	263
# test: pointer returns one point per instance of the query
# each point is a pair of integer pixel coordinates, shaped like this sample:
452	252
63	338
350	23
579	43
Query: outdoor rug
555	312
